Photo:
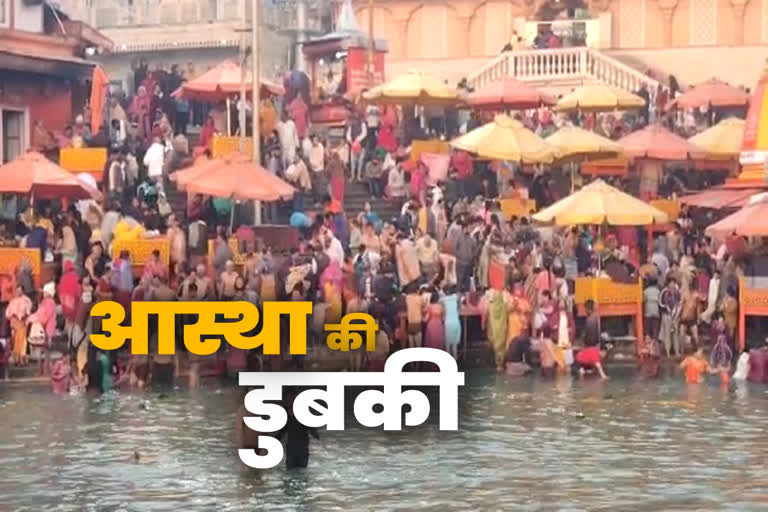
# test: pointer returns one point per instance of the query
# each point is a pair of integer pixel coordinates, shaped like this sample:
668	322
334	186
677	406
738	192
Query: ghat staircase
560	69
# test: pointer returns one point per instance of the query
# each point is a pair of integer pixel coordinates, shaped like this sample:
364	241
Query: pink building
692	39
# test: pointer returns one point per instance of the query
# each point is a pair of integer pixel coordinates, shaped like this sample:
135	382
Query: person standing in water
105	371
297	440
451	305
695	366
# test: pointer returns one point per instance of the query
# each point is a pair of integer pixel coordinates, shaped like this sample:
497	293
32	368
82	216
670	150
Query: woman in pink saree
418	184
140	111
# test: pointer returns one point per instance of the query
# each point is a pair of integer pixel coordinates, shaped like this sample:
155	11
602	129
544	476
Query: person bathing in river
549	361
297	440
695	366
60	374
517	360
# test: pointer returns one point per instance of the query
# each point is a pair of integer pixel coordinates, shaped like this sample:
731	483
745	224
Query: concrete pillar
401	29
668	11
739	7
301	34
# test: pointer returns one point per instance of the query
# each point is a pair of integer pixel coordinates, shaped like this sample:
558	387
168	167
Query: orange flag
99	85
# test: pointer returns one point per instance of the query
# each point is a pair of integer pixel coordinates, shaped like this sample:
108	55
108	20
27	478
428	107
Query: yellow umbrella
506	139
572	141
600	203
414	87
598	98
722	141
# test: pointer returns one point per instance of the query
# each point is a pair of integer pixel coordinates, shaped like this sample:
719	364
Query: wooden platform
611	299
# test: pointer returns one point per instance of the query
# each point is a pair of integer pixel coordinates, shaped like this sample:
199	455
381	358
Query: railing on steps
562	63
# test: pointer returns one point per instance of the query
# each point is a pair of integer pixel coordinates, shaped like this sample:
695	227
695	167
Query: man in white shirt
154	159
298	174
316	154
289	139
333	248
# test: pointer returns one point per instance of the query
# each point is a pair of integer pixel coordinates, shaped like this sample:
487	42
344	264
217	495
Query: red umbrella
35	174
509	94
712	92
655	141
220	82
233	176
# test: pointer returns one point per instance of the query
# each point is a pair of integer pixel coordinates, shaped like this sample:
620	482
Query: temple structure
692	39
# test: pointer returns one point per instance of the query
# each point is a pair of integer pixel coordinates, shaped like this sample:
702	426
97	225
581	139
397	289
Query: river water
523	444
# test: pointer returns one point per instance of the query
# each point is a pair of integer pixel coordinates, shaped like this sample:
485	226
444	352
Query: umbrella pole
232	217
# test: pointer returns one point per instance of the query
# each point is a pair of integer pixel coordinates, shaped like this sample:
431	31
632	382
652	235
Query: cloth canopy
232	176
600	203
509	94
722	141
99	86
221	82
506	139
572	141
599	98
35	174
414	88
754	147
719	198
655	141
714	93
751	220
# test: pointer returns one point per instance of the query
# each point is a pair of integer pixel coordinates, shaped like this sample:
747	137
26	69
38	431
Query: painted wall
46	99
471	28
27	17
741	66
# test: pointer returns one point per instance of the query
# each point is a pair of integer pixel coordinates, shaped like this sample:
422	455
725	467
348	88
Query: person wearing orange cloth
695	366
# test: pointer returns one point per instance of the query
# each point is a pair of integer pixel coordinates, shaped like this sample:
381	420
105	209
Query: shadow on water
523	444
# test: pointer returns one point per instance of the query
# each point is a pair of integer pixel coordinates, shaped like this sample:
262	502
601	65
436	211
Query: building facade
43	71
200	32
693	39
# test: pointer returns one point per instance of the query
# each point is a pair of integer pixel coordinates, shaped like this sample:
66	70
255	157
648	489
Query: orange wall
47	100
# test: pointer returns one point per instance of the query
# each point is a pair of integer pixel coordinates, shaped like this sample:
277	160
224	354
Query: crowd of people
450	253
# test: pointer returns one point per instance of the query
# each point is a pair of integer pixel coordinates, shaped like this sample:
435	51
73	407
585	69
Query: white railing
562	63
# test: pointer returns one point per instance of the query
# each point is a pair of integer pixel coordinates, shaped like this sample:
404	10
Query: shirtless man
204	285
227	281
690	307
177	242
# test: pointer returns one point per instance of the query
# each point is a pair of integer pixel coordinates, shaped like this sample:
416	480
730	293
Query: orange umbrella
220	82
712	92
752	220
35	174
509	94
232	176
655	141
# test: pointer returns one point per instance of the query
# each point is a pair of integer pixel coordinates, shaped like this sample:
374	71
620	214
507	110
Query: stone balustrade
548	65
